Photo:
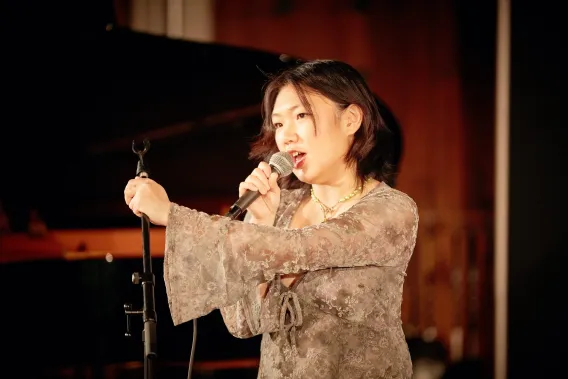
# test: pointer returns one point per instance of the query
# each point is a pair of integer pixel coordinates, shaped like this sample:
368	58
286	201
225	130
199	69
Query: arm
242	319
210	260
238	316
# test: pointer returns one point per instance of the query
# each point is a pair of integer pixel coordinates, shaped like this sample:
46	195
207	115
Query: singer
318	264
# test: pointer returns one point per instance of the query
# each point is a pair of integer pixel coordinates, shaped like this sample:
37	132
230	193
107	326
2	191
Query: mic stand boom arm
147	280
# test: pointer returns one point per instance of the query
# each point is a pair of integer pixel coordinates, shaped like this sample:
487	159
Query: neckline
305	192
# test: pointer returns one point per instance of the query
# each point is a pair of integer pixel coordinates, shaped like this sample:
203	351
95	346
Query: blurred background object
83	79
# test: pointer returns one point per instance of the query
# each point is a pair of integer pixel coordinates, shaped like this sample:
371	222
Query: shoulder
385	193
387	201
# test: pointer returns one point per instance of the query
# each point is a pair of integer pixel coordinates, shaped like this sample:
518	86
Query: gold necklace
328	211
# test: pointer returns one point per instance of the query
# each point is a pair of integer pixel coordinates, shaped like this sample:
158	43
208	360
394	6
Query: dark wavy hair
372	149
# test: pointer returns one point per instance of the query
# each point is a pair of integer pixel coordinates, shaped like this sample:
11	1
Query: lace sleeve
243	317
210	261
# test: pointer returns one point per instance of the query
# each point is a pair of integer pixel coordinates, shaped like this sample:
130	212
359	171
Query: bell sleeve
242	319
211	261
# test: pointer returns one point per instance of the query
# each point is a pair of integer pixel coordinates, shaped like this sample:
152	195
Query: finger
133	205
129	185
265	167
245	186
130	189
262	186
128	197
136	181
129	193
260	174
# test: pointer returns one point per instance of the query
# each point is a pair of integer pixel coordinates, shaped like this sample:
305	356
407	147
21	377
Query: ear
352	118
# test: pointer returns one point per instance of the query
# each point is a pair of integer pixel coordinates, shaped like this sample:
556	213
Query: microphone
282	164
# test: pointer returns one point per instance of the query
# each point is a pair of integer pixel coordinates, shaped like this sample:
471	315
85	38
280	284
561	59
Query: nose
288	133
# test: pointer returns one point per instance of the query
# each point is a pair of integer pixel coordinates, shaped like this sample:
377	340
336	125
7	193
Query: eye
277	125
302	115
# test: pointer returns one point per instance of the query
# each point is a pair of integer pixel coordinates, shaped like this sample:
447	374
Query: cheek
333	148
307	133
279	141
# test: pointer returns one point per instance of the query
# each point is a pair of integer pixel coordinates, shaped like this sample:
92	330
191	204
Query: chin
304	177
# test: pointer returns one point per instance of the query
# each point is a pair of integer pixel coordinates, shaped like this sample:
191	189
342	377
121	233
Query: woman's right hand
263	209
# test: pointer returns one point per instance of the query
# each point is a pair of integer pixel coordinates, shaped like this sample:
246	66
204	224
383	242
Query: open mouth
298	158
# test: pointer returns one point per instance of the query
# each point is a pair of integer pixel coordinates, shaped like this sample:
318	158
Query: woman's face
318	157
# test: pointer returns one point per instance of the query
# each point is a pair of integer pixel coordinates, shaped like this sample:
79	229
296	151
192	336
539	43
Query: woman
318	266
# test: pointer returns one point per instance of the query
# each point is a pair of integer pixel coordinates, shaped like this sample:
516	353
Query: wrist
166	213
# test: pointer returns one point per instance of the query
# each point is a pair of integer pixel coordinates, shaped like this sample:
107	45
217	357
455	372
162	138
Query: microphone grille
282	163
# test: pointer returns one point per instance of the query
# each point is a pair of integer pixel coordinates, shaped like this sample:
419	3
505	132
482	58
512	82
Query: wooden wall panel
409	53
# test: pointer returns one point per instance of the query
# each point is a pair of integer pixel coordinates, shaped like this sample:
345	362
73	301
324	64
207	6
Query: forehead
289	100
286	99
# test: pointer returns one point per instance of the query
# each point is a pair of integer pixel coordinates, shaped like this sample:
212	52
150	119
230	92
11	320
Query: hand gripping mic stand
147	280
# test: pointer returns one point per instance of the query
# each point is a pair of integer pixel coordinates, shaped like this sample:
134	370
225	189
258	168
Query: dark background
60	313
538	313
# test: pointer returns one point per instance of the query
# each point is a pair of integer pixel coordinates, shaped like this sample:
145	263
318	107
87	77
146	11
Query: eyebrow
292	108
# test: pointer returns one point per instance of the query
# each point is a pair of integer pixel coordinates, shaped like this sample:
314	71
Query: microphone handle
244	201
242	204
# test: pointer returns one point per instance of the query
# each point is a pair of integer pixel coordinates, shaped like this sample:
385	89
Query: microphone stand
147	280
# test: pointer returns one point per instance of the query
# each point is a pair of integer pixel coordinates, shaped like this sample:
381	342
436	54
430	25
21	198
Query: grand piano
69	155
72	245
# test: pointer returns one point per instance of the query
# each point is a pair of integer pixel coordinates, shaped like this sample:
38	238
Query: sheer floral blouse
340	319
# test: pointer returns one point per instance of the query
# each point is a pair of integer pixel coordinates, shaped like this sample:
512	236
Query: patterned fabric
340	319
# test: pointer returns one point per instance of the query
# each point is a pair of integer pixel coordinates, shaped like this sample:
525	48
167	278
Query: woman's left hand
145	196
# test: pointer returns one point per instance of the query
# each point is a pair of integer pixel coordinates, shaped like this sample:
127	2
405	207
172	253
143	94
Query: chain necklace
328	211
